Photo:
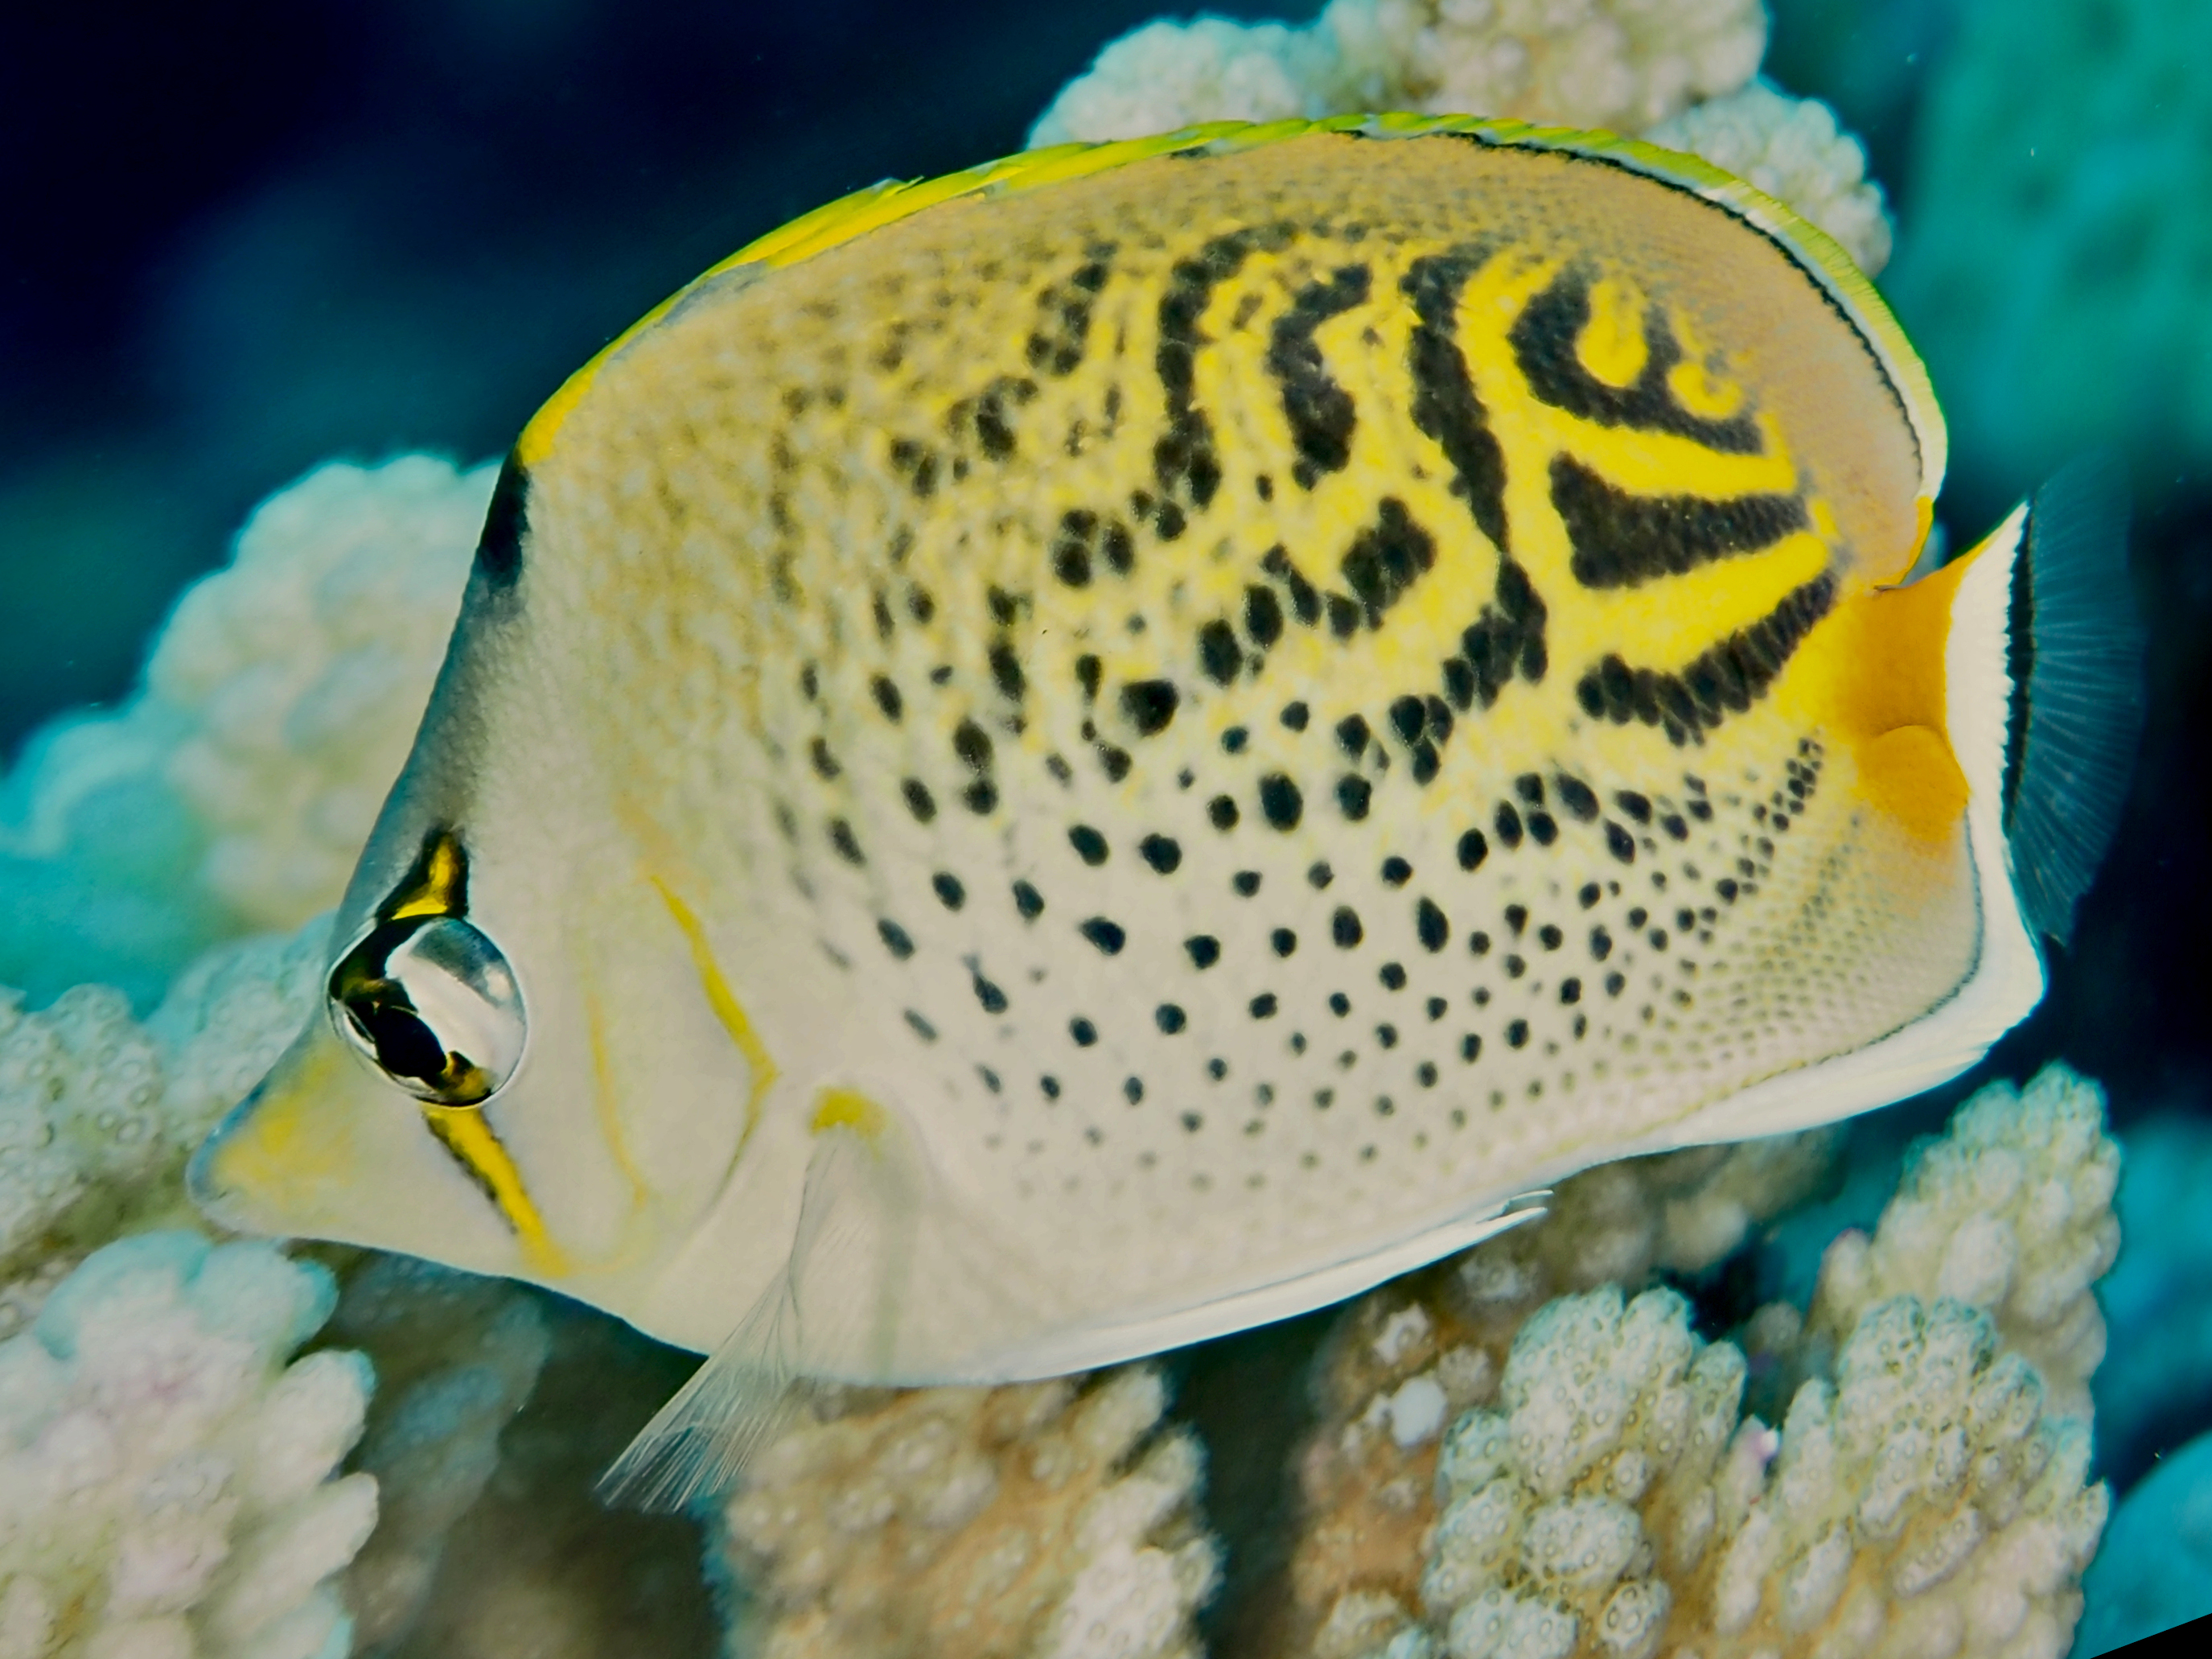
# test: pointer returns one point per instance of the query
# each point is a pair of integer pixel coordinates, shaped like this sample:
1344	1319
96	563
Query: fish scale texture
1163	762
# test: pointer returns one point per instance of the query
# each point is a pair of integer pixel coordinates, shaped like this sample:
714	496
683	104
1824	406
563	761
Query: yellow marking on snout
463	1132
726	1008
272	1147
848	1108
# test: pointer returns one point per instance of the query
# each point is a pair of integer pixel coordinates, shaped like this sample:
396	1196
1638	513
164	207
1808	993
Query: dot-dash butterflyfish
1051	763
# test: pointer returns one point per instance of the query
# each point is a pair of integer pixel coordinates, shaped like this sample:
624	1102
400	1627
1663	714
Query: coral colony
1526	1452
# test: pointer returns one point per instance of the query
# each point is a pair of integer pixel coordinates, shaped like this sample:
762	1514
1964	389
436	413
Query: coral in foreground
1595	1493
232	795
2010	1210
1052	1519
1408	1358
98	1113
165	1476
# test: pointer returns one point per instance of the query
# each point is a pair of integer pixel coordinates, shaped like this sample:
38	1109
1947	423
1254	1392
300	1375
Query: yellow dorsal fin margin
839	221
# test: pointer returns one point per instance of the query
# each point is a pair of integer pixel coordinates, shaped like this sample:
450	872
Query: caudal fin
2074	659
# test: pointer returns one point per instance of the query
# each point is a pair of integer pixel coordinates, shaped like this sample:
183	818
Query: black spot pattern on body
1057	340
1090	846
1162	852
1185	464
1219	654
1319	412
1280	802
1263	616
1445	407
1623	540
1107	935
1543	339
1149	705
1386	559
1722	680
895	938
1507	638
1028	901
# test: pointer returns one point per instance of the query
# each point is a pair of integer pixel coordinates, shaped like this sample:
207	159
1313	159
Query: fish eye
431	1002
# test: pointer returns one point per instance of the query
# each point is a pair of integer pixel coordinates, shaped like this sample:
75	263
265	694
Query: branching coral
1624	64
1597	1494
2009	1211
1047	1518
165	1483
232	793
1405	1360
98	1112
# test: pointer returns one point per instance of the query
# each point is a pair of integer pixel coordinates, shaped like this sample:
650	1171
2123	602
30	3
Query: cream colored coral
1620	64
2010	1211
304	666
166	1479
1792	149
1922	1495
98	1112
1410	1357
1052	1519
1163	76
232	793
1923	1503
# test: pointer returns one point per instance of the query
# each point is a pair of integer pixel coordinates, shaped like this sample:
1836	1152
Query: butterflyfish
1048	764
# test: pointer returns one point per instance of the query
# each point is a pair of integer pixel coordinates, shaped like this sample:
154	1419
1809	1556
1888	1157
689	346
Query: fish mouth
322	1148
